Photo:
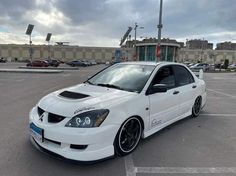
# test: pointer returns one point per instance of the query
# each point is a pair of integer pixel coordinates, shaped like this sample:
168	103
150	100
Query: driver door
164	106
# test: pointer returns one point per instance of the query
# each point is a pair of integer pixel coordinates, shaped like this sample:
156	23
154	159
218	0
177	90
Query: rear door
187	88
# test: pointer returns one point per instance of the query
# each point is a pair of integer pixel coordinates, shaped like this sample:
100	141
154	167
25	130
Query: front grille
40	111
53	118
73	95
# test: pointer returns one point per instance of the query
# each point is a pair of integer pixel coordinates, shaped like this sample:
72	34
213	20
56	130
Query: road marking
217	78
20	80
224	115
51	89
222	93
225	89
66	75
209	97
131	170
129	166
186	170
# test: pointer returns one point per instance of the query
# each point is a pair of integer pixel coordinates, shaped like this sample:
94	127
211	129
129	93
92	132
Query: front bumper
58	139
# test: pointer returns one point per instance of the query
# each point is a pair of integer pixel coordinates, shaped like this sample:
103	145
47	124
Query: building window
170	54
142	53
150	56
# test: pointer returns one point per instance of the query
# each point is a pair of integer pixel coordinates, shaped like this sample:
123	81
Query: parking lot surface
201	146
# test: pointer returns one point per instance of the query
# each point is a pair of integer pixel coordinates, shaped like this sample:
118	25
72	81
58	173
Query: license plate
36	132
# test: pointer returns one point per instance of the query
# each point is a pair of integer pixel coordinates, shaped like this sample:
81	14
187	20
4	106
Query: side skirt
160	127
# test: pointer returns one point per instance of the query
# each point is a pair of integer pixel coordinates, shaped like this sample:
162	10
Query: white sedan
109	113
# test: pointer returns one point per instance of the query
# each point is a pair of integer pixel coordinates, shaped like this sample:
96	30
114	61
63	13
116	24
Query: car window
165	76
182	75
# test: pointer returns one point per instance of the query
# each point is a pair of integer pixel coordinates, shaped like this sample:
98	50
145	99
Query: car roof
150	63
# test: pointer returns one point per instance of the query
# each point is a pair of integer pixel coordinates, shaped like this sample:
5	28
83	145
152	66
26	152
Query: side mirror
157	88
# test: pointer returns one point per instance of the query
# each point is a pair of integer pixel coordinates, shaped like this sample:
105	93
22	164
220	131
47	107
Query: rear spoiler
199	74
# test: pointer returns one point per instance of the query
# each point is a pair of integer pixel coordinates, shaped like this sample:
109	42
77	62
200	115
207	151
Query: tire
128	136
197	107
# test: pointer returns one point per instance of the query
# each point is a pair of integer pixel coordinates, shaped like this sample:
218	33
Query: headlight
88	119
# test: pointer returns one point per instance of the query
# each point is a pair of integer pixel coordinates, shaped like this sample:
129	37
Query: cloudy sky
103	22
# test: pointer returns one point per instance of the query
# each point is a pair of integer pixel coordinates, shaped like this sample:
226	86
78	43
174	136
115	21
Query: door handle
194	86
175	92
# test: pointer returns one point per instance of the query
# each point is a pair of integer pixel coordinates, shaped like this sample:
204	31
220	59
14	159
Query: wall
65	53
209	56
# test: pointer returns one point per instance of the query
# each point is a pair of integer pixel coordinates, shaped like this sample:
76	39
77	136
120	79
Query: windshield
129	77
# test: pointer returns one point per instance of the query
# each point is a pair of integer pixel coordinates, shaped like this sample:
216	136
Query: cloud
103	22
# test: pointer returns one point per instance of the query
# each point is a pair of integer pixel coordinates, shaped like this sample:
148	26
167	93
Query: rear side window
182	75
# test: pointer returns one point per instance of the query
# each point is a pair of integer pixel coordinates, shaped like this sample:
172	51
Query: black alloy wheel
128	136
197	107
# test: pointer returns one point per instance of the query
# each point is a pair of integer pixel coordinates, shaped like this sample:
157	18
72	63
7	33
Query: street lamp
159	26
29	32
48	40
135	35
202	49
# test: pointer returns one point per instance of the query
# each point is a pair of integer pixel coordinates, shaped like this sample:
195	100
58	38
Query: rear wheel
197	107
128	136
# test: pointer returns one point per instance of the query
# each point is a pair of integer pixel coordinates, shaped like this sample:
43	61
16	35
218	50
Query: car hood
83	97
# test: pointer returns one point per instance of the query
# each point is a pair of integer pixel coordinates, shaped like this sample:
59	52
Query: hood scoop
73	95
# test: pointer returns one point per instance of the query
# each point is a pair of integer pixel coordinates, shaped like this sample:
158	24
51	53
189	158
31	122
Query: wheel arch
141	121
117	134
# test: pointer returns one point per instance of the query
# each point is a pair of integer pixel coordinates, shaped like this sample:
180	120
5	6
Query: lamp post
29	32
159	26
135	35
48	40
202	48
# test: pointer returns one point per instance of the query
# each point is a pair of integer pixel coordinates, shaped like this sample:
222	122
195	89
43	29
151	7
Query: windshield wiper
110	86
88	82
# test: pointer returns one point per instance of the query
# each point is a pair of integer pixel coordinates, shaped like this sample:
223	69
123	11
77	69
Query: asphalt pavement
201	146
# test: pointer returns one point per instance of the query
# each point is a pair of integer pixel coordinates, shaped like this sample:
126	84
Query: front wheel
197	107
128	136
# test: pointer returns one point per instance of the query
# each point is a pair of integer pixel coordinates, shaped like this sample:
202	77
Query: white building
12	52
209	56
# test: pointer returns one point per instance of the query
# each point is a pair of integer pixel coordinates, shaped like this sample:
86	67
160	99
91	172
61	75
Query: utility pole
202	50
135	35
159	26
30	49
48	40
28	32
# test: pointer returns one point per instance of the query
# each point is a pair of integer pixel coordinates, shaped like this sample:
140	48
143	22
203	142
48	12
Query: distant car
92	62
186	63
199	66
212	67
115	62
190	64
232	67
53	62
38	63
3	60
87	63
76	63
218	65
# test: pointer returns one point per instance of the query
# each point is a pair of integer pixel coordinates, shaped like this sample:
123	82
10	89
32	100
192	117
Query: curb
30	71
50	68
